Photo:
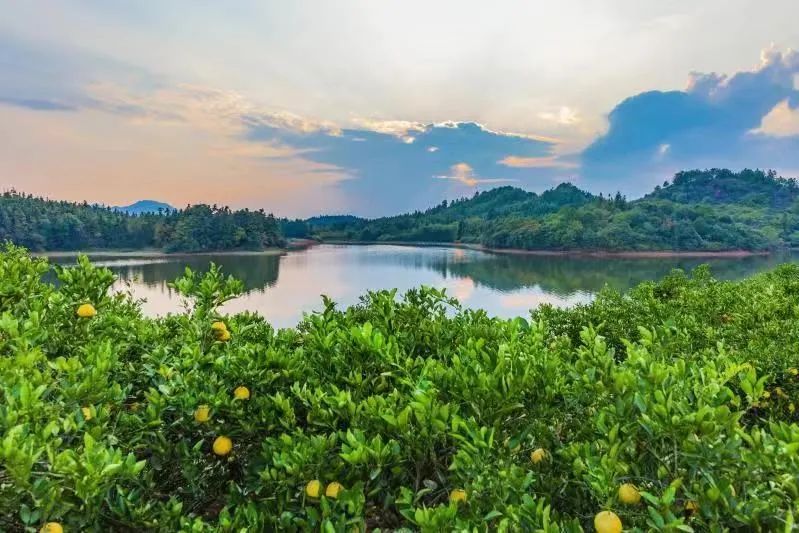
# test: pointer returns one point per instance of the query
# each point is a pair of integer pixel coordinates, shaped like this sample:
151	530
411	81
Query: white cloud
564	115
464	173
221	111
781	121
551	161
398	128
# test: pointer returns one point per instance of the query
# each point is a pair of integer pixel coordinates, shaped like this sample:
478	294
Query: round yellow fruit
86	311
223	335
52	527
223	446
607	522
629	495
333	489
691	507
87	413
793	371
314	488
218	326
538	455
241	393
457	496
202	414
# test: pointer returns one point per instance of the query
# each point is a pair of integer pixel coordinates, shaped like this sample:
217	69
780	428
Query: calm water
283	287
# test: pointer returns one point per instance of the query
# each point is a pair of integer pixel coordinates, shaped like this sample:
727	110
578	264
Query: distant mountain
144	206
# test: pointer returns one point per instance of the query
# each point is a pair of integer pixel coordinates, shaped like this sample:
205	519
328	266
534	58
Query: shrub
685	388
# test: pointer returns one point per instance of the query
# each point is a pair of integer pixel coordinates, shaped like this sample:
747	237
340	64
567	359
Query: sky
380	107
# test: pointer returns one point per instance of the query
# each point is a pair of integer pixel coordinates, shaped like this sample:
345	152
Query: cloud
399	128
463	173
536	162
142	121
390	175
36	104
203	107
782	121
564	115
365	166
709	124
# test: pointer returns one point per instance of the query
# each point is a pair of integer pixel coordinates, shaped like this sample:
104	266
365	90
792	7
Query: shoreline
150	253
629	254
304	244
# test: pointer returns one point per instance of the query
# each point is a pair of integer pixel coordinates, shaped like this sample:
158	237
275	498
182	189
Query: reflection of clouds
461	288
299	289
282	288
528	300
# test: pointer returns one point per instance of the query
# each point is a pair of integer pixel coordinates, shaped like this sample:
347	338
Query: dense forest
711	210
699	210
41	224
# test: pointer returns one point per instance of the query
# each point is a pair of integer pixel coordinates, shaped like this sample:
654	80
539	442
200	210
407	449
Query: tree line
42	224
710	210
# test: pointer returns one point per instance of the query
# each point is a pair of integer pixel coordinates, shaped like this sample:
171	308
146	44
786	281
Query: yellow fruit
52	527
691	507
223	446
766	394
607	522
223	335
202	414
242	393
457	496
333	489
538	455
793	371
216	327
313	489
86	311
628	494
87	413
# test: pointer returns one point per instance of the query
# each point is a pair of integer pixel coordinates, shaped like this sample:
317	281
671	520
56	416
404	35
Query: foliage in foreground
430	417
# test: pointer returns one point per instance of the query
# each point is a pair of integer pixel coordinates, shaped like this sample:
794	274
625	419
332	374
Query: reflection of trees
559	275
564	275
257	271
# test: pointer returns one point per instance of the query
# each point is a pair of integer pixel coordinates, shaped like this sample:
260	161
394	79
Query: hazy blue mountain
144	206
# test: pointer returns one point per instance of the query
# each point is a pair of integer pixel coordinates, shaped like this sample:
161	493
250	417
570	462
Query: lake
283	287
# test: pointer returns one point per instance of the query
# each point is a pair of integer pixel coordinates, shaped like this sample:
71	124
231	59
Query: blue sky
373	108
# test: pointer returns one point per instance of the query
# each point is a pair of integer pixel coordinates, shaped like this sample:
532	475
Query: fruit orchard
671	408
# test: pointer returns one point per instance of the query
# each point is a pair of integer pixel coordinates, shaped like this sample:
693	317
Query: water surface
283	287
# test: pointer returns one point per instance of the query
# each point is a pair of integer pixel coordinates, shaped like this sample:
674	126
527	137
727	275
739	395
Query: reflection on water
282	287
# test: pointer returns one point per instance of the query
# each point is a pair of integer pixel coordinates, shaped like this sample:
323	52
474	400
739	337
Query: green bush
685	388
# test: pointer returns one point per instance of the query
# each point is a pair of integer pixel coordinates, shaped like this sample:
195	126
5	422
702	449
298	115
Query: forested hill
41	224
721	186
711	210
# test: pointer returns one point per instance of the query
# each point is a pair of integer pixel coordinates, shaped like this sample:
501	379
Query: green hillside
43	224
711	210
